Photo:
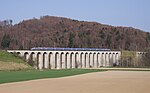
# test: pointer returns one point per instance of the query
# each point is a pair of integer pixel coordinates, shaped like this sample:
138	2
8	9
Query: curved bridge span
69	59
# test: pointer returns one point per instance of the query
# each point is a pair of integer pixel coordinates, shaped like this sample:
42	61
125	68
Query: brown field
12	66
99	82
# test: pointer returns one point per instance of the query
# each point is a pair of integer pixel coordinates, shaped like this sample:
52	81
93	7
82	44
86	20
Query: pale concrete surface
99	82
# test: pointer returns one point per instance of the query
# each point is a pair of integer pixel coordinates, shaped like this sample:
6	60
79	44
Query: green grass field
16	76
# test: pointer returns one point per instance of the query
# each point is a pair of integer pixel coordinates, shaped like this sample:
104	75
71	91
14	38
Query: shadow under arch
62	61
56	60
77	63
71	59
38	59
94	59
50	58
44	60
67	60
86	60
82	59
26	55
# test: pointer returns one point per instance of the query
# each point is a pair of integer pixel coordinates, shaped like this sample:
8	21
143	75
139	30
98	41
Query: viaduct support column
58	61
21	54
63	63
34	58
50	60
83	60
40	61
87	61
95	60
91	60
68	60
114	59
104	61
27	56
107	59
117	58
78	62
46	59
110	59
99	60
53	61
73	60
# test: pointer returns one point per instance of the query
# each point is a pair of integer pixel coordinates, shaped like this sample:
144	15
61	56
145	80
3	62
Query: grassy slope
15	76
9	61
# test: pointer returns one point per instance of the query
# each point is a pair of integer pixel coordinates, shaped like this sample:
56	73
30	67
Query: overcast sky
130	13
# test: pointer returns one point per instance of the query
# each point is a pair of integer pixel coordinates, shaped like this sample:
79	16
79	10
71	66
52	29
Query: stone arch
114	59
67	60
11	52
106	59
45	60
39	60
71	59
90	60
82	59
117	58
95	60
32	52
57	60
18	53
50	60
26	56
77	60
32	60
98	60
110	61
62	60
86	60
103	59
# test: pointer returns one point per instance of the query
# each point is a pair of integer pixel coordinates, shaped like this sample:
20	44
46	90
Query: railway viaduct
71	58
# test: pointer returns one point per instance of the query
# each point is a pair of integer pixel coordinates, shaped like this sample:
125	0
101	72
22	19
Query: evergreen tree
5	41
71	40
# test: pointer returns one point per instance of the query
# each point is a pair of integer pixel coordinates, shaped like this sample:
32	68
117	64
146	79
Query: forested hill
49	31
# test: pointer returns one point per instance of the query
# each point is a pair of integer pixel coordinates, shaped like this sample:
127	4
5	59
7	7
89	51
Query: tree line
50	31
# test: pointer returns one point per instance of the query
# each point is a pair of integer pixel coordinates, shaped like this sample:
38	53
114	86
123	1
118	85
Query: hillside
11	62
49	31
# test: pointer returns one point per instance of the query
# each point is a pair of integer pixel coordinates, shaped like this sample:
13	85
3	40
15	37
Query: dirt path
99	82
134	69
